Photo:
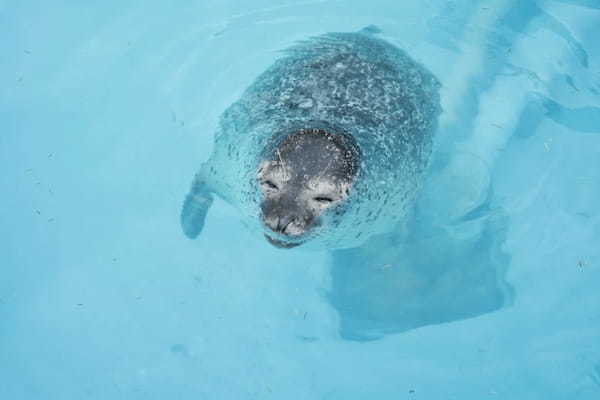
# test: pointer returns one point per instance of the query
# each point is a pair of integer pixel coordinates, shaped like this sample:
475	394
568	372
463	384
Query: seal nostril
272	222
284	222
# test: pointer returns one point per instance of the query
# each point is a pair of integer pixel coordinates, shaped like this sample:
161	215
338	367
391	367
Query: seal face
326	148
310	172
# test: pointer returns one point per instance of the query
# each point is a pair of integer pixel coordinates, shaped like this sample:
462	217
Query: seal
326	148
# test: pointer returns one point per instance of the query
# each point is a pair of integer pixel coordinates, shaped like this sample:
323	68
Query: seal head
310	172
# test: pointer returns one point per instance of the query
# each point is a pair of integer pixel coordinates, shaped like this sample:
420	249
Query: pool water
487	290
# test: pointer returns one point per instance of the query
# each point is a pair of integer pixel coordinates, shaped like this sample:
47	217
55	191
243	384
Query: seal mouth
280	243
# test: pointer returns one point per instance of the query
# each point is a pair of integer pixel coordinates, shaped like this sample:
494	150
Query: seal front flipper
195	207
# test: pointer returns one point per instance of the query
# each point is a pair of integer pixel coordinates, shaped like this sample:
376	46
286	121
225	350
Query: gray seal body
325	148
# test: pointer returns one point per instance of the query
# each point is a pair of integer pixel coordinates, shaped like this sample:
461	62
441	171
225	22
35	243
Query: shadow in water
416	277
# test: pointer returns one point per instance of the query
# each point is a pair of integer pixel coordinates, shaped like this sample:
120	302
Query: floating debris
180	349
307	339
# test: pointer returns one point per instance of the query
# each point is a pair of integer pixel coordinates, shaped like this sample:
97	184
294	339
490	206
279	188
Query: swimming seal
325	148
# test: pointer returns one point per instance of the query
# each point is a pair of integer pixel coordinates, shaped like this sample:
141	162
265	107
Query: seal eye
270	184
323	199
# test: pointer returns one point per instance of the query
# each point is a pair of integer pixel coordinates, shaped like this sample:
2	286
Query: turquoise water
488	290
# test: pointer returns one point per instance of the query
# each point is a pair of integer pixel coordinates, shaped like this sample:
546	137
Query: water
488	290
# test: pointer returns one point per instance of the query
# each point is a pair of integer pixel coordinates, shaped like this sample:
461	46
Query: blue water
488	290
